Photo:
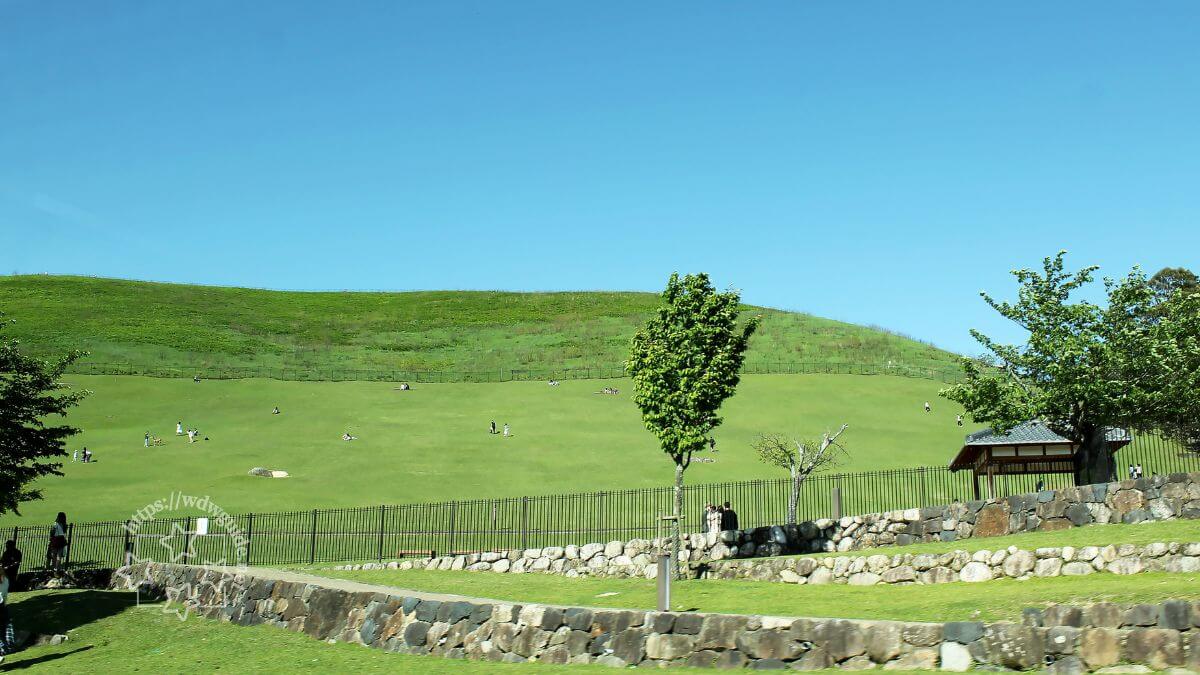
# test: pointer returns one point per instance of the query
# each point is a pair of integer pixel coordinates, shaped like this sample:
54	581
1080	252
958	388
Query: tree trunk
677	530
793	497
1094	460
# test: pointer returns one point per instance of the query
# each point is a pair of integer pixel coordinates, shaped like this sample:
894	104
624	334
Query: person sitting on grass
347	437
275	410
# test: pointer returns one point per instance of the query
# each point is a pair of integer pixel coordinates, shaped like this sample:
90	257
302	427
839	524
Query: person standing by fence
10	562
58	543
729	518
712	519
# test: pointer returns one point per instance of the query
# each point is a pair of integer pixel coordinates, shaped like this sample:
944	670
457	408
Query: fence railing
391	531
607	371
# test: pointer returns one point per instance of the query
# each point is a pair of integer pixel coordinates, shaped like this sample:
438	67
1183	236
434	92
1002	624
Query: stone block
768	644
718	631
922	634
1176	614
1062	640
669	647
883	642
962	632
1158	648
840	639
955	657
629	645
975	572
1019	564
1014	646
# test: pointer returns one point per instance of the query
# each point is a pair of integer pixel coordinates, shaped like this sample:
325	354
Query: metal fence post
381	511
524	522
835	499
312	550
453	518
187	541
249	535
70	539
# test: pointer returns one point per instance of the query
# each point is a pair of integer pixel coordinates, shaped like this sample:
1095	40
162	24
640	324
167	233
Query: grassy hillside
431	443
202	327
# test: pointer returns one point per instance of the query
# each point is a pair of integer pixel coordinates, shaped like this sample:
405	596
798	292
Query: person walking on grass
179	428
507	433
493	430
927	407
146	439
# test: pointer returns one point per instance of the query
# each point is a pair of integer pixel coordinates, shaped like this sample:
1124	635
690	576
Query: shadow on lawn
56	612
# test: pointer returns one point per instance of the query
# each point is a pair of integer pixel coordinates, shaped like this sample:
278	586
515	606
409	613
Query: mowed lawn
991	601
431	443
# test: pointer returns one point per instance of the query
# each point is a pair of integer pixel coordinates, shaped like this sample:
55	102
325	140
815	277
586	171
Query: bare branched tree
801	458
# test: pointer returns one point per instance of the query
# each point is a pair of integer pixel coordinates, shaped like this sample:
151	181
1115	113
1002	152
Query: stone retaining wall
940	568
1066	639
1130	501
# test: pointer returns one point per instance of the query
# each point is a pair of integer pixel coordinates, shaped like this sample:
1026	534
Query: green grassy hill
431	443
204	327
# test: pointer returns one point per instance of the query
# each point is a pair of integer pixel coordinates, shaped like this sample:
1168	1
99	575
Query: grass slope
992	601
179	325
431	443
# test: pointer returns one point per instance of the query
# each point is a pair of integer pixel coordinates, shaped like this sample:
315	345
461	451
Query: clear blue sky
874	162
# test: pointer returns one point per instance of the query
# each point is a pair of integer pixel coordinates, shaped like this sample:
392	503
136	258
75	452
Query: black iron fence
407	530
595	372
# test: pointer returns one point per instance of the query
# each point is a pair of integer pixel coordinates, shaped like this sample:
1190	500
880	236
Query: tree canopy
684	363
1085	367
31	391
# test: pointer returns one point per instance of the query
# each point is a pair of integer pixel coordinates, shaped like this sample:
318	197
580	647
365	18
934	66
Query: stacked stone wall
1061	638
1132	501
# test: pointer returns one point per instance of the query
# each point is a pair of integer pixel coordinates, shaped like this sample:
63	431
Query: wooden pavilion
1029	448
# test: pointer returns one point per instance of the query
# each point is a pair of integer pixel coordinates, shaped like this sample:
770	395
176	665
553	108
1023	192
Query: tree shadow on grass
56	612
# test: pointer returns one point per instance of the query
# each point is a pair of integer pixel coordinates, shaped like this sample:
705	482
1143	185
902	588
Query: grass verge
992	601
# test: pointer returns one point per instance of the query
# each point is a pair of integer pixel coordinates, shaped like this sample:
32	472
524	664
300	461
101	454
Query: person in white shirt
75	456
179	428
506	433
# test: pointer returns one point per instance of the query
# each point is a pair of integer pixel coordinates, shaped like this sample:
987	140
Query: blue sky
874	162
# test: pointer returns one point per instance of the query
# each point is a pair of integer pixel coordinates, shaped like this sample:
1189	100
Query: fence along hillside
406	530
609	371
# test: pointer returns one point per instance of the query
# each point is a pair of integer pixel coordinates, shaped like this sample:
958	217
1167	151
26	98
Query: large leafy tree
30	392
1086	367
684	364
1170	280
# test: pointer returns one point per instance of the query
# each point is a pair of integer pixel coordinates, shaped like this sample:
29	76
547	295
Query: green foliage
1171	280
30	390
207	328
685	363
1085	367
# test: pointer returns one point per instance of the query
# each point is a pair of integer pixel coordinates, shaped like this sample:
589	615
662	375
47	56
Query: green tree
684	363
801	458
1170	280
1086	367
30	391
